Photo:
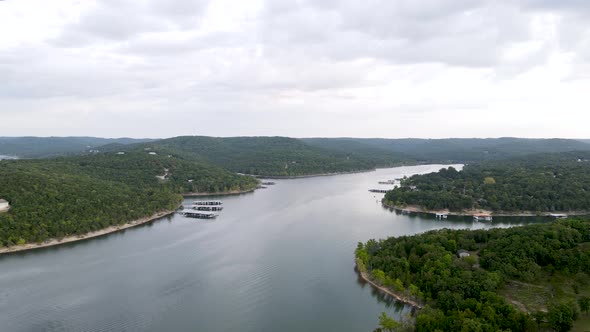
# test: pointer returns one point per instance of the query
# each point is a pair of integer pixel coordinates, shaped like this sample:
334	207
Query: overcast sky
372	68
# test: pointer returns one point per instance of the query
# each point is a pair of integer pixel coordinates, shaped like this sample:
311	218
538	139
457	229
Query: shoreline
90	235
367	279
221	193
286	177
471	213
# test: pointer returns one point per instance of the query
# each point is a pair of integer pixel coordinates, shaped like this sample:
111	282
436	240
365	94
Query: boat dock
381	191
558	215
206	207
387	182
207	202
482	217
441	215
198	214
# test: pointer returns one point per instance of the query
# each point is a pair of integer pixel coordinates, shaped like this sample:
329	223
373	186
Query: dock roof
190	211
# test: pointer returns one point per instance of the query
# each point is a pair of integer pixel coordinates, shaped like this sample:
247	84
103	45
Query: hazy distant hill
272	156
456	149
41	147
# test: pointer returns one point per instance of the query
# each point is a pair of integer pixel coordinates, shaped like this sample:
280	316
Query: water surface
279	259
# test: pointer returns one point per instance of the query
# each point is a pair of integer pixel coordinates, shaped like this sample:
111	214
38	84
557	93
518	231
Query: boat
208	202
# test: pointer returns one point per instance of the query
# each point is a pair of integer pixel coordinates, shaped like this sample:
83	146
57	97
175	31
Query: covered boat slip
207	202
206	207
198	214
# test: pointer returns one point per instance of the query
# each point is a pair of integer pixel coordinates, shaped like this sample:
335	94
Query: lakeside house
462	253
4	205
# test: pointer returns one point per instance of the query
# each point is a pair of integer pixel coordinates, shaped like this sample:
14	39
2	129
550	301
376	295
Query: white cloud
436	68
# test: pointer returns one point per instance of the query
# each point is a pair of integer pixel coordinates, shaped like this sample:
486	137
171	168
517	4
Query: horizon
312	137
225	68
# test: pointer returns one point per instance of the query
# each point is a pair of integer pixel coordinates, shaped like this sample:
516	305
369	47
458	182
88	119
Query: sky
299	68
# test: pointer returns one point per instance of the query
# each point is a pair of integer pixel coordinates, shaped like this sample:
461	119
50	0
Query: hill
266	156
457	150
538	183
42	147
53	198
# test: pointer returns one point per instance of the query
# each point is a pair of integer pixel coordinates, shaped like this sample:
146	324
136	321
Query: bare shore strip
388	291
479	212
75	238
221	193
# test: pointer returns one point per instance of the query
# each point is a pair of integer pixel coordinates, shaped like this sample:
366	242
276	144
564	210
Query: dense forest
267	156
53	198
539	183
283	156
479	292
453	150
43	147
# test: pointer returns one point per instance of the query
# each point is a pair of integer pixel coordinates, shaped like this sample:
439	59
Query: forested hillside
270	156
469	293
455	150
75	195
42	147
539	183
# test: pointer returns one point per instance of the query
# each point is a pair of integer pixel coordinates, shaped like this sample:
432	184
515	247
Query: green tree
584	303
561	317
387	323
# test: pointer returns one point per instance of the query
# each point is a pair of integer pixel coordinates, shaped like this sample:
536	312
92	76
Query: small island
521	279
546	184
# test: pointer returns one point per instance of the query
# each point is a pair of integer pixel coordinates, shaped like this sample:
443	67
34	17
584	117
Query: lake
278	259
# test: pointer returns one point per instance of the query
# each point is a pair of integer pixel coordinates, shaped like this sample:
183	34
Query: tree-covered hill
74	195
476	293
538	183
454	150
43	147
269	156
382	157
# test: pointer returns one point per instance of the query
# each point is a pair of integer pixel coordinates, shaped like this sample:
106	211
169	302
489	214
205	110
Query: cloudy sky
373	68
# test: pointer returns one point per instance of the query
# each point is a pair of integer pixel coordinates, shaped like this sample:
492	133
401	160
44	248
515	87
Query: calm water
279	259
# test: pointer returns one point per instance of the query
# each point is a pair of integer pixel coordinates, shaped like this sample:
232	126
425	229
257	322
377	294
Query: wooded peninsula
517	279
535	184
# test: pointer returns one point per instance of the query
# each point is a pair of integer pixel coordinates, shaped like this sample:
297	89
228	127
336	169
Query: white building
4	206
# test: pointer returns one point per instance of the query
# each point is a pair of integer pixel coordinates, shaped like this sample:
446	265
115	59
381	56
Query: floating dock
441	216
482	218
558	215
208	202
381	191
387	182
198	214
206	207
